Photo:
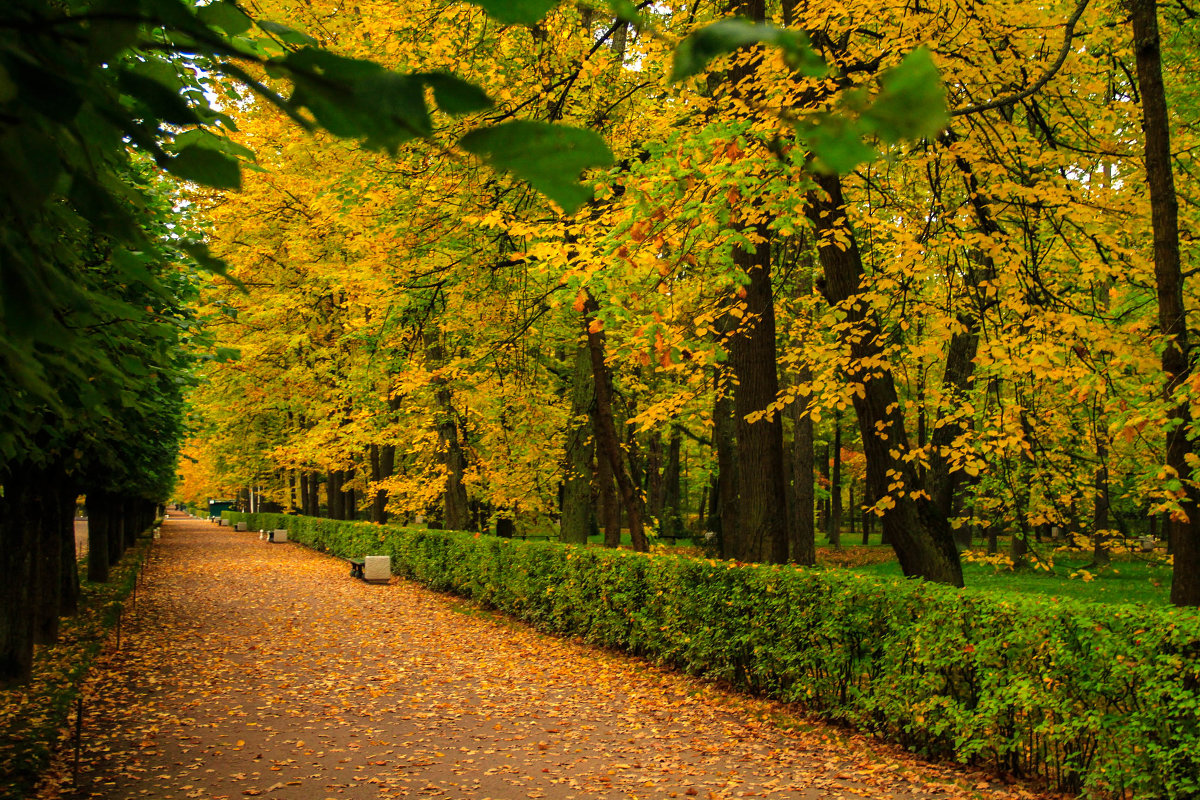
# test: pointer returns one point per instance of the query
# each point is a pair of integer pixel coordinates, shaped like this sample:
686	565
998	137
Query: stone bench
372	569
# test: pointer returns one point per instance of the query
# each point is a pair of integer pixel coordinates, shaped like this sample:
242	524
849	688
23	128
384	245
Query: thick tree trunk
99	522
654	477
349	496
1100	555
18	551
919	533
334	499
671	522
802	549
606	430
116	527
577	508
762	534
1184	530
133	520
314	493
726	505
69	569
383	465
47	574
834	532
606	492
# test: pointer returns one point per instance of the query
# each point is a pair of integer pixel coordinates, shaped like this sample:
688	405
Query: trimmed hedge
1099	698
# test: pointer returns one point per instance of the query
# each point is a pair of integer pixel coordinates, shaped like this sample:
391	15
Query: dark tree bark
47	574
833	533
671	522
1100	555
654	477
99	522
762	493
725	507
349	497
1184	533
919	533
610	512
18	550
314	493
133	520
577	508
802	549
69	569
382	460
606	429
333	495
116	527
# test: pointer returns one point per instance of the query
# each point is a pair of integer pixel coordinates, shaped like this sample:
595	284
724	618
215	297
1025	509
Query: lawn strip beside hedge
33	717
1091	697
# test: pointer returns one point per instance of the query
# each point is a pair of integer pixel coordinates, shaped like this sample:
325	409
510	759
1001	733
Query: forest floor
250	669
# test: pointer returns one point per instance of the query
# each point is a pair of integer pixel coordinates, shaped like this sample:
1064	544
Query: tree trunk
726	504
333	494
606	431
99	522
834	532
671	522
116	527
69	569
383	466
802	549
610	513
919	533
1184	529
762	533
18	595
1100	555
47	574
577	508
654	478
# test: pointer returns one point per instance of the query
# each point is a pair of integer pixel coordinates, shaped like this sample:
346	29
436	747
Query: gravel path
263	670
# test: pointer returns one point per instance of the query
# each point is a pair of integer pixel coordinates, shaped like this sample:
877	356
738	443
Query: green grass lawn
1125	581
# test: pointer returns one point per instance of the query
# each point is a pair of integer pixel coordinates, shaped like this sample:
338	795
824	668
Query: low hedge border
34	717
1098	698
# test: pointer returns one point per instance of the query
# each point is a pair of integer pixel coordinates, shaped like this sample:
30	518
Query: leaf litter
263	670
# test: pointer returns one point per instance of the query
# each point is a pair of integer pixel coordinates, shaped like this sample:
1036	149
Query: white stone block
377	568
223	522
280	535
241	526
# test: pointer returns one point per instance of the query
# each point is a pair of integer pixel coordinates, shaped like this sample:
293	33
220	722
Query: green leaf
8	89
286	34
836	142
359	99
548	157
163	103
516	12
726	35
226	16
454	95
205	166
202	138
912	101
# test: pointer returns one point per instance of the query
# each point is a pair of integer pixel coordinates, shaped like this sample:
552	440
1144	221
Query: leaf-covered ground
258	670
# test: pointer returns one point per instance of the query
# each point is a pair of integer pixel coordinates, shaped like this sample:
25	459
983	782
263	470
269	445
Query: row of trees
99	259
436	339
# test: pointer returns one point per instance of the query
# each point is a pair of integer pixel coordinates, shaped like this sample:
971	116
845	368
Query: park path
250	669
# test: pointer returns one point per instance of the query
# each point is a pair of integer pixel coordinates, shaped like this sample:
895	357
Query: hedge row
1095	698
